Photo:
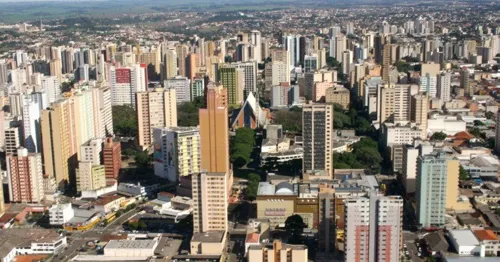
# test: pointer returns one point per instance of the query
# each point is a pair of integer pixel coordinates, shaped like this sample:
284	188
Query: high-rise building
210	198
277	72
25	175
409	166
437	188
378	45
197	88
346	61
394	103
428	84
169	65
419	108
444	87
91	151
56	69
317	127
177	152
310	63
12	140
214	133
250	76
232	79
386	63
465	83
127	81
156	108
338	95
182	52
90	176
182	87
32	139
191	65
112	158
373	228
280	95
255	39
59	141
101	99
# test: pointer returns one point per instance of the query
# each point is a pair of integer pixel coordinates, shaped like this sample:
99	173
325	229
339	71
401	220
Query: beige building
339	95
311	78
59	142
394	103
210	197
156	108
319	91
317	127
276	73
90	176
419	108
25	176
214	133
277	252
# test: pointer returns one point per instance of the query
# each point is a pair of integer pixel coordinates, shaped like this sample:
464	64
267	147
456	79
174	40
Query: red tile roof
485	235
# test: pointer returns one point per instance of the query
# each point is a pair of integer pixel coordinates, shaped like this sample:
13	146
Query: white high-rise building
182	86
50	84
31	125
127	81
84	72
250	73
255	39
444	86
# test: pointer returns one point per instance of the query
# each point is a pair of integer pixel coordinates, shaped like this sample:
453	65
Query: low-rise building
208	243
490	240
60	214
465	243
109	203
29	241
277	251
138	189
130	248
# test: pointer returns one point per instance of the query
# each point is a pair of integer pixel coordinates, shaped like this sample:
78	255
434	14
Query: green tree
291	120
118	213
332	62
124	120
439	136
252	186
294	226
490	115
463	174
133	225
142	159
478	123
141	225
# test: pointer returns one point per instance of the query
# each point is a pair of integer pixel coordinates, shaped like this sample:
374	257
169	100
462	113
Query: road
411	247
78	240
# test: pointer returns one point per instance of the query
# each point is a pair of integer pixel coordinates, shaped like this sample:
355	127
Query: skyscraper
31	125
437	188
181	51
394	103
444	86
255	39
169	64
25	175
232	79
156	108
317	129
182	87
386	62
127	81
214	136
373	228
465	83
419	108
59	142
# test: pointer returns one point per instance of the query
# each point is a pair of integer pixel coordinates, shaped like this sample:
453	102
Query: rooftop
485	234
132	244
22	237
209	237
464	237
104	200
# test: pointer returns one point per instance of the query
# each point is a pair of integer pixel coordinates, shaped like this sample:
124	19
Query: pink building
319	91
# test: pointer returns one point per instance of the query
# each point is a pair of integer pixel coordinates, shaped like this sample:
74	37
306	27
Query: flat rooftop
132	244
209	237
21	237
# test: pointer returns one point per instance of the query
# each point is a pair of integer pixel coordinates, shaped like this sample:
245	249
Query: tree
439	136
294	226
490	115
252	186
133	225
332	62
124	120
463	175
142	159
141	225
242	146
478	123
291	120
118	213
